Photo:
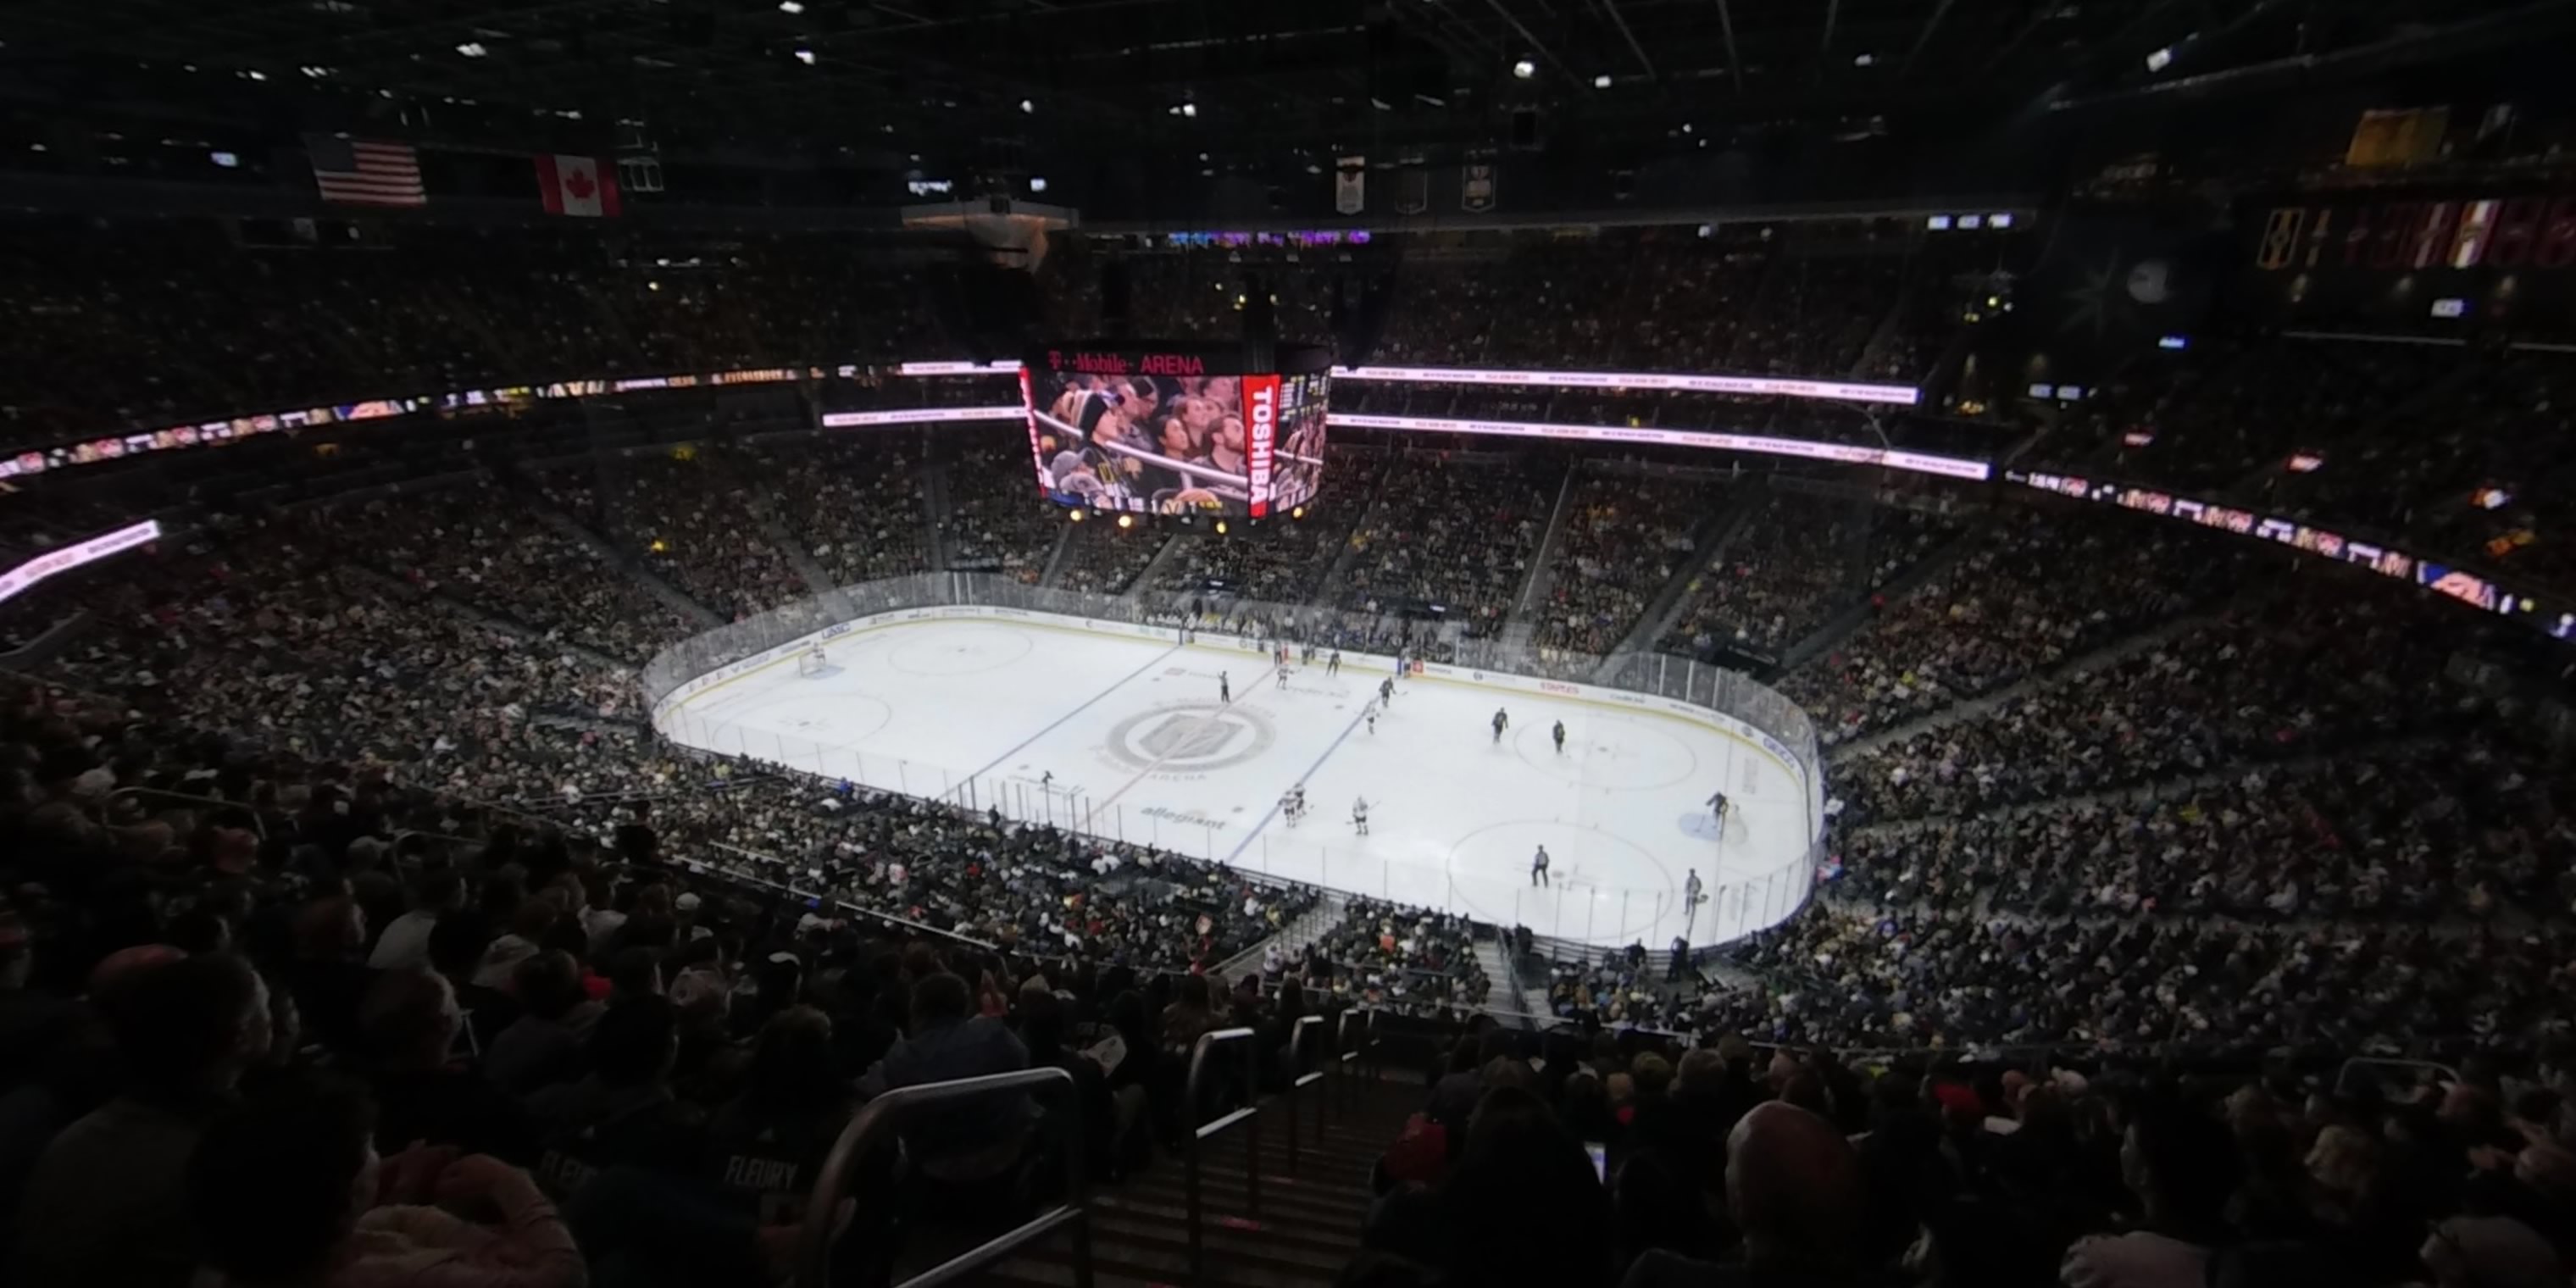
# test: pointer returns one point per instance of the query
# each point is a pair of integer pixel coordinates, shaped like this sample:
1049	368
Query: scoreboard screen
1175	429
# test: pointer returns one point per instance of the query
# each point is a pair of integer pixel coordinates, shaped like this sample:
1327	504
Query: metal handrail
842	905
1298	1078
2343	1075
814	1243
1251	1110
1348	1056
257	825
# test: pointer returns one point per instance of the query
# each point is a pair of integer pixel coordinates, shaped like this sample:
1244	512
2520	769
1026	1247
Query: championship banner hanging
1350	185
1476	188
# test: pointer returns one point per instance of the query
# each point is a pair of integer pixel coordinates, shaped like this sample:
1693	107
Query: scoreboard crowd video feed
1176	429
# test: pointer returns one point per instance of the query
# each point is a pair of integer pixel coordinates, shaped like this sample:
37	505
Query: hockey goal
811	662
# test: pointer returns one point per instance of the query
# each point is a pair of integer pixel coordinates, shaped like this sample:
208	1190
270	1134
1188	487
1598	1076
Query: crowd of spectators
2037	587
1450	532
2409	832
1652	1163
2321	668
2233	407
1105	559
1622	539
158	321
1796	561
1280	563
1408	961
688	518
1959	977
1738	298
2474	464
997	521
477	544
576	1061
856	503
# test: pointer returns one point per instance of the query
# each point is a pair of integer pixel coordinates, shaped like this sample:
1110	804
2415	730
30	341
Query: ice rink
1141	747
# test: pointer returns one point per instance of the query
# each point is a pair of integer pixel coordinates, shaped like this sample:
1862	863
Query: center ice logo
1190	739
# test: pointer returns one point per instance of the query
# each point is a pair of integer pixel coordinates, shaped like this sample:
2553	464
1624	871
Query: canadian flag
577	186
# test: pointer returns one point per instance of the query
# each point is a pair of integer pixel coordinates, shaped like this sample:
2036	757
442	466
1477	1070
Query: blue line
1310	772
1150	664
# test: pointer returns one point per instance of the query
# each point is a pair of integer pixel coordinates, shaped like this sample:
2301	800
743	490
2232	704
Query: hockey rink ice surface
1141	748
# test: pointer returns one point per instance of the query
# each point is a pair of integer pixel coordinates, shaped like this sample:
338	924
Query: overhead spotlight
1037	183
1189	109
1074	515
805	56
2160	59
1686	127
1126	520
1028	107
1312	168
1601	81
1864	60
1220	527
1524	69
1297	512
472	49
791	6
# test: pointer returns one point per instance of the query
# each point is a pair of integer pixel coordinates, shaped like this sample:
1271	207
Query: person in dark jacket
975	1139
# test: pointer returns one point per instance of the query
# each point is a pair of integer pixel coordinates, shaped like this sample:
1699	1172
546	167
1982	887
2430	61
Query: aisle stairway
1271	1216
1305	1229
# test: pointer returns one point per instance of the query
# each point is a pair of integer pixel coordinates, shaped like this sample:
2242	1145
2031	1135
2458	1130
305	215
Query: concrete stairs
1154	568
1708	541
1340	571
934	510
1055	556
1321	920
1542	577
1840	626
612	556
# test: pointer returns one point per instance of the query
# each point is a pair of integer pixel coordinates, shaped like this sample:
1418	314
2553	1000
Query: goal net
810	662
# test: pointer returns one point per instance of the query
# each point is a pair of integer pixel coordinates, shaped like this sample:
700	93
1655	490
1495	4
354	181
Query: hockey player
1559	731
1283	677
1691	890
1224	687
1359	815
1717	808
1386	691
1502	721
1288	806
1371	713
1538	867
1333	664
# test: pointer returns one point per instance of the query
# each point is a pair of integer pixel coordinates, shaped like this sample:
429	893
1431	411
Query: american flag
358	173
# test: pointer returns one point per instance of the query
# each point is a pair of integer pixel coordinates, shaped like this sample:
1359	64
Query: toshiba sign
1261	433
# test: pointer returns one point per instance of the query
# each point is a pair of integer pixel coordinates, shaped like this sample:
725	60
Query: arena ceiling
1300	74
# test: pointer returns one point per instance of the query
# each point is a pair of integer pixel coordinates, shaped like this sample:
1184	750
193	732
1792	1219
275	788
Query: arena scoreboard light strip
1956	467
918	416
2556	619
23	578
1750	386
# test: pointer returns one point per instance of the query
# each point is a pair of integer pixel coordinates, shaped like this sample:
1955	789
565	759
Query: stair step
1231	1242
1322	1237
1161	1265
1278	1203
